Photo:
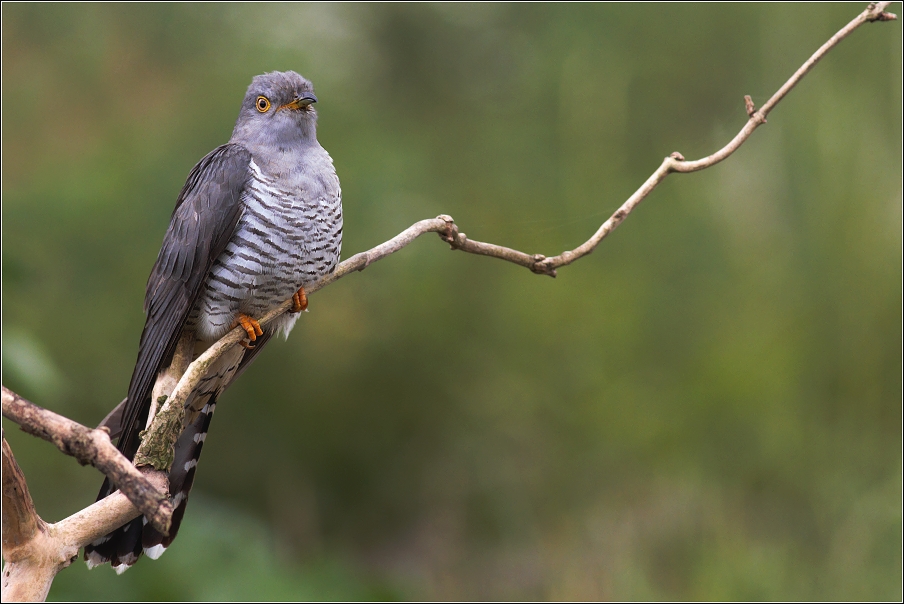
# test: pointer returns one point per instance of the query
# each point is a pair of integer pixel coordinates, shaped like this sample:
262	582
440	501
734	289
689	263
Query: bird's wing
203	222
113	421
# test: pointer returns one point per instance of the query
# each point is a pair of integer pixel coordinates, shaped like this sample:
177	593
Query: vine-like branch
35	551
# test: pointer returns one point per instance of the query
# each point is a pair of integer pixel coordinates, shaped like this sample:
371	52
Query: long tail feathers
182	475
124	546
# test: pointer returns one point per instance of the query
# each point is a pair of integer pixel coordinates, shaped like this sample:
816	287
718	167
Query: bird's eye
263	104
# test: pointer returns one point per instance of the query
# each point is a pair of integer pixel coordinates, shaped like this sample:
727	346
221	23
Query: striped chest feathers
289	235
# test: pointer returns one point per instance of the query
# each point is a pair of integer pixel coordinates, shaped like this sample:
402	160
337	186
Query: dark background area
708	407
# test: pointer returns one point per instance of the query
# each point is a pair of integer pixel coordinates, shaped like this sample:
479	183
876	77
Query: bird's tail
124	546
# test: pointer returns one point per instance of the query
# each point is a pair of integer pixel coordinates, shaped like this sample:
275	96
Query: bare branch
169	414
22	527
676	162
20	521
102	517
35	551
93	447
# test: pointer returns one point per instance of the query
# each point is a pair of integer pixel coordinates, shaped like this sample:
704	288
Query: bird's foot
299	300
251	327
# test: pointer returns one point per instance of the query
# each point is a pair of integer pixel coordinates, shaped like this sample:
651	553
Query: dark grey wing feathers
113	421
205	217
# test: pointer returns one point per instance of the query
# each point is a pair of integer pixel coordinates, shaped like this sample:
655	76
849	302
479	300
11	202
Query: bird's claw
251	327
299	300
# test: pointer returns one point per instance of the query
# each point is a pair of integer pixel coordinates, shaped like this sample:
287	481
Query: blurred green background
708	407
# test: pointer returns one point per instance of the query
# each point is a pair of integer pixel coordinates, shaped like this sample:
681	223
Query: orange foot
299	300
251	327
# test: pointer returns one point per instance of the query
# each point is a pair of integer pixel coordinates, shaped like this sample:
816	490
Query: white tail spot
190	464
125	562
154	552
94	560
200	436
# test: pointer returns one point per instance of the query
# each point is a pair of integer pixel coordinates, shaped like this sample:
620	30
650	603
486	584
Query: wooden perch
35	551
92	446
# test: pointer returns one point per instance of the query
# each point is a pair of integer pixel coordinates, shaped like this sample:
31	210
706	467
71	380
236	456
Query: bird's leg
299	300
169	377
251	327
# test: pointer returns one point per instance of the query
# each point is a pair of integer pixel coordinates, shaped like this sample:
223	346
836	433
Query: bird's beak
301	102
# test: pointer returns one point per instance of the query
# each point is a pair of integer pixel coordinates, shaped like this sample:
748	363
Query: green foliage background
708	407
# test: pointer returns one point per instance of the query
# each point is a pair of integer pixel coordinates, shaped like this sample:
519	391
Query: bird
258	219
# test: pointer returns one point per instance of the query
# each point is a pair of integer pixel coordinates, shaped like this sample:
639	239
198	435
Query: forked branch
35	551
448	231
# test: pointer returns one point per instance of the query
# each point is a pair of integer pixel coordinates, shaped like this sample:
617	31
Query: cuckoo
258	219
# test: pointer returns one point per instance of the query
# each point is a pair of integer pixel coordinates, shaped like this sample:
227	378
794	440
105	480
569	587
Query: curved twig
676	162
448	230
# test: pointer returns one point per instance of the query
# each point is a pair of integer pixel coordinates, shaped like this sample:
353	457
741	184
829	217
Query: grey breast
289	235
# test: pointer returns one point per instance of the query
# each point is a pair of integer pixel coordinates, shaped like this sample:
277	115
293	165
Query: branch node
542	265
450	233
876	12
748	104
676	155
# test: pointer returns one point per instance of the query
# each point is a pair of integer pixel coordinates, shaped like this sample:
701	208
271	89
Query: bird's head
278	108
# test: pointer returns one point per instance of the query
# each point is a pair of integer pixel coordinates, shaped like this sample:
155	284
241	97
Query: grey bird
258	219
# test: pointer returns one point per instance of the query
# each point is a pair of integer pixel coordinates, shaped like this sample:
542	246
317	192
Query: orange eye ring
262	104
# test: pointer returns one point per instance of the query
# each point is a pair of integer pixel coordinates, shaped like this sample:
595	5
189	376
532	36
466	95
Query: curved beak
301	102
